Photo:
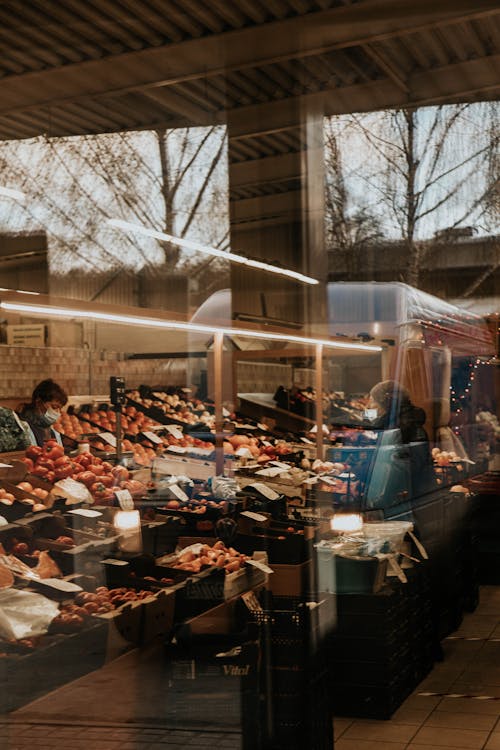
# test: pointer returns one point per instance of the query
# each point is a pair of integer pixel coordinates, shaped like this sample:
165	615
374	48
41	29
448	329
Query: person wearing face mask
42	413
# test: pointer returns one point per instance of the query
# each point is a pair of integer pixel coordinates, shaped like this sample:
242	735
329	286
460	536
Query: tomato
63	471
29	463
96	470
106	480
120	473
62	461
33	452
86	477
46	462
40	471
108	468
50	477
84	459
53	451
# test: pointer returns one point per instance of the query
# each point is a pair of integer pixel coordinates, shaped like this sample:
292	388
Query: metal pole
219	420
319	400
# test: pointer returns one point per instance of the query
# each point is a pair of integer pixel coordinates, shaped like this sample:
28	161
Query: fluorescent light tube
176	325
199	248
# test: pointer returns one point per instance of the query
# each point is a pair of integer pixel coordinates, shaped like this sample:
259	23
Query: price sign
108	438
154	438
125	499
176	449
254	516
265	490
179	493
174	431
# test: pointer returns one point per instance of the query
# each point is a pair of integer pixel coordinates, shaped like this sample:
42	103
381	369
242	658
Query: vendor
42	413
394	409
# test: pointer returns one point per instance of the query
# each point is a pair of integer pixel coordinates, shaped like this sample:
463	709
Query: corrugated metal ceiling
46	47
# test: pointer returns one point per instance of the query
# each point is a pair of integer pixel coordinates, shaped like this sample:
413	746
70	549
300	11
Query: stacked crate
296	706
384	645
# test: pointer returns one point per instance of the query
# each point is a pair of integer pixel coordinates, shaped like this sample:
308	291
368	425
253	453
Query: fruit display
218	556
175	406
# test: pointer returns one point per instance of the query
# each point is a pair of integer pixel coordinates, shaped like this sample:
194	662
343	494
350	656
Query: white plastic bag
24	614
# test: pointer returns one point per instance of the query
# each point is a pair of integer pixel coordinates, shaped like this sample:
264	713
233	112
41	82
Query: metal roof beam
451	83
313	33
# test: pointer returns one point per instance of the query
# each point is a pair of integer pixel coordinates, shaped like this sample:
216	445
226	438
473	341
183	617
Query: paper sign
175	431
201	451
176	449
179	493
254	516
110	561
311	480
225	412
108	438
154	438
272	471
265	490
124	499
266	443
64	586
283	466
243	452
314	429
74	492
307	441
260	565
263	427
5	466
85	512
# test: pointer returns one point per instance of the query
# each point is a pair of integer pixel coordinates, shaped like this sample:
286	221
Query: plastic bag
24	614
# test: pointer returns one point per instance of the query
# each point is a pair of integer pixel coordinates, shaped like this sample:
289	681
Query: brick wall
78	371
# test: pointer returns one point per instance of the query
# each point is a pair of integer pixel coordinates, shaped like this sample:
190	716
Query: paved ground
120	707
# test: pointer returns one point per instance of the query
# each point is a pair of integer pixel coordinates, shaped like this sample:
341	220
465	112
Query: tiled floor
456	706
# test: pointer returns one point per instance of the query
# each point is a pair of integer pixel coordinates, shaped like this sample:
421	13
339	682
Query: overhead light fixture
199	248
10	193
176	325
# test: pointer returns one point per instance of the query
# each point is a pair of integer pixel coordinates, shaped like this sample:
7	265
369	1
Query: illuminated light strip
196	246
9	193
61	312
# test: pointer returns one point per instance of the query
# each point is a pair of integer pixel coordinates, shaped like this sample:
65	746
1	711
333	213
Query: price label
265	490
125	500
260	565
254	516
307	441
263	427
272	471
108	438
280	464
179	493
267	443
225	412
174	431
243	452
110	561
154	438
85	512
74	492
176	449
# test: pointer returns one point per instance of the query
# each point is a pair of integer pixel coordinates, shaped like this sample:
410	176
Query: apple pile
72	616
100	477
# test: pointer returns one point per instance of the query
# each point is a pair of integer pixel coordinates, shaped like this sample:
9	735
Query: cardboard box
290	580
